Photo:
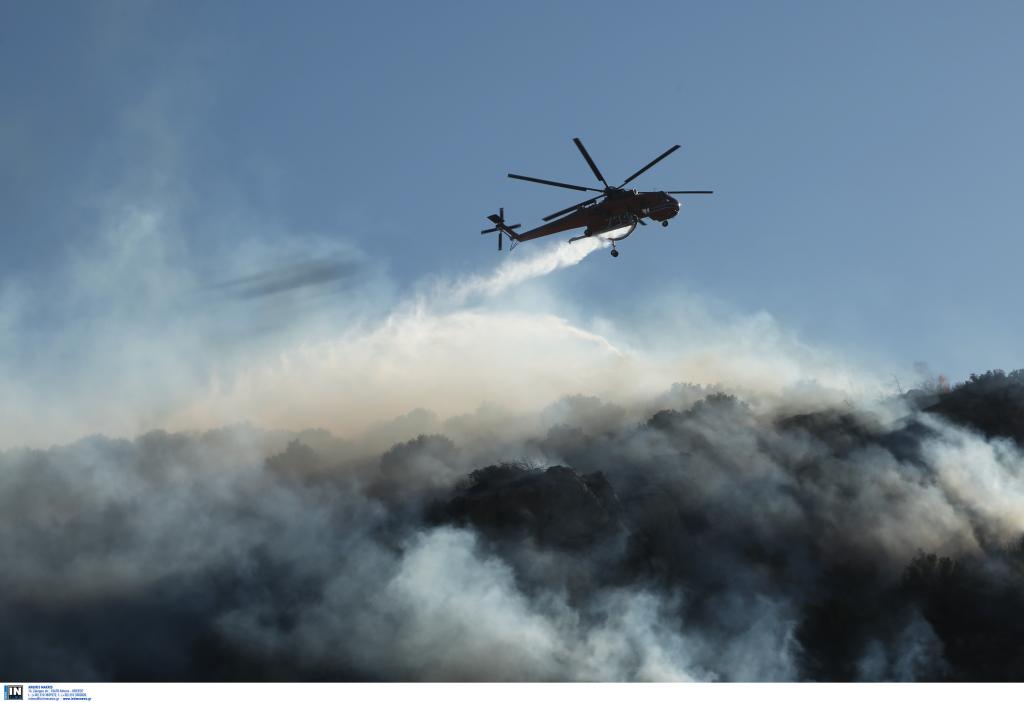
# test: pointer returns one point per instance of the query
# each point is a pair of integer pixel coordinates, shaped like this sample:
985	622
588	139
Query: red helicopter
613	214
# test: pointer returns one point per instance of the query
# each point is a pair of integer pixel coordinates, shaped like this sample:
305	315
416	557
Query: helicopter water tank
614	230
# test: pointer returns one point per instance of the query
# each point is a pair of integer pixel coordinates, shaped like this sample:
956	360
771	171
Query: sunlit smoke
167	346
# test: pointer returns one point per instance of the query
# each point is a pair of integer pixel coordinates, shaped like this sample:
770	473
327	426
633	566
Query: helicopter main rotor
608	190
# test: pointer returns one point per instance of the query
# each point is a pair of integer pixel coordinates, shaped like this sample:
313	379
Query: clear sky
867	157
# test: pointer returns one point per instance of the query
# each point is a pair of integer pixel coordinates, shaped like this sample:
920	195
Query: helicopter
612	215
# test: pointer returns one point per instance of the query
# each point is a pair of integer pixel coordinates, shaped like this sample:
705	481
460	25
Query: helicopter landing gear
664	223
615	253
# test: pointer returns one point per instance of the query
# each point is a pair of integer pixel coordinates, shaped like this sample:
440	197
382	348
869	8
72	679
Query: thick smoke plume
547	505
710	540
140	333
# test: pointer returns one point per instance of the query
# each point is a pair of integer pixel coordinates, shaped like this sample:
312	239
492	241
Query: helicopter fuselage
620	209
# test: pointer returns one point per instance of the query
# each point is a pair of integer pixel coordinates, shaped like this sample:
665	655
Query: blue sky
866	157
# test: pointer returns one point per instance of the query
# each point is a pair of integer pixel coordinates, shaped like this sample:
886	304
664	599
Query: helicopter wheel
664	223
615	253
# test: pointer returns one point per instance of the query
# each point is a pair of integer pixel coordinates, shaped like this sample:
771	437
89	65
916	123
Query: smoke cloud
297	331
433	486
711	541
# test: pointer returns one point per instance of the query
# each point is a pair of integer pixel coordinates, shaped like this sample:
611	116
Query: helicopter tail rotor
503	229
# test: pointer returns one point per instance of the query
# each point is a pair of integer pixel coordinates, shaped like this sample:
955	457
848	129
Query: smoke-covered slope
709	541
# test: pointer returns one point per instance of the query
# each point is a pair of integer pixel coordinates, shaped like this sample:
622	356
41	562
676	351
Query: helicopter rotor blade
590	161
553	182
688	192
567	210
644	169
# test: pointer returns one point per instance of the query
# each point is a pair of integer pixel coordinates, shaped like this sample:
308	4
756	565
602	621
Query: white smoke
148	337
330	567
